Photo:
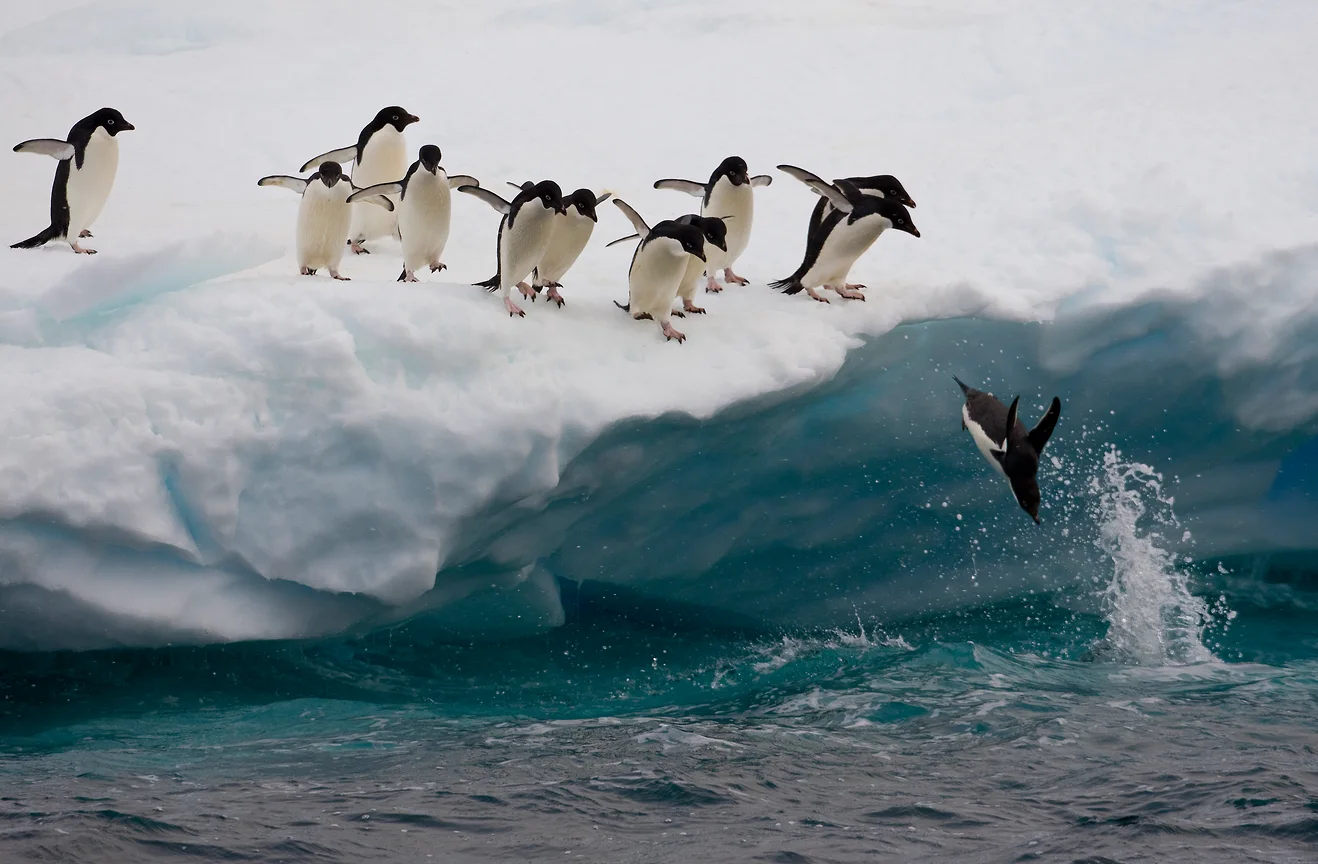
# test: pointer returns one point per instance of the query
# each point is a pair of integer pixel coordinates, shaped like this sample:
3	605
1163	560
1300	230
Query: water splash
1153	619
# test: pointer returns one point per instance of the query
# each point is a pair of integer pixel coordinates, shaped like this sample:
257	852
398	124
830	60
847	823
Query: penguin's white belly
571	234
844	244
739	203
686	289
985	444
383	161
424	217
522	246
655	274
89	186
323	221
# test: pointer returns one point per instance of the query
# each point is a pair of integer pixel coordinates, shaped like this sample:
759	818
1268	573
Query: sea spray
1153	619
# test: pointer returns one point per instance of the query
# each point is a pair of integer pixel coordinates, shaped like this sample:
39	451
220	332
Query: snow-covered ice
199	444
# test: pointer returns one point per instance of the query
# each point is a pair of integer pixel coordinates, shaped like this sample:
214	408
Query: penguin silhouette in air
1005	442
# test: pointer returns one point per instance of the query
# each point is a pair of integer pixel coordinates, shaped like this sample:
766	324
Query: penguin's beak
909	203
412	118
128	126
914	230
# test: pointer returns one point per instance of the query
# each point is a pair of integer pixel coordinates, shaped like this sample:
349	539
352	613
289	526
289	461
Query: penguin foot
712	286
671	334
856	286
513	309
85	233
81	250
688	306
814	295
408	276
729	276
358	248
552	295
848	292
437	266
527	291
643	316
307	271
339	277
679	313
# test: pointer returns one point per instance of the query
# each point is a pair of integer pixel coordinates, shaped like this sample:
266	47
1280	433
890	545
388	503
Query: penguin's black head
714	229
734	168
895	213
550	195
890	187
1026	490
330	173
584	201
108	119
691	238
393	116
430	156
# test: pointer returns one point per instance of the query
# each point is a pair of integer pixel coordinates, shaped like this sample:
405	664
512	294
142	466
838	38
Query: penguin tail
964	389
788	285
625	308
491	284
39	240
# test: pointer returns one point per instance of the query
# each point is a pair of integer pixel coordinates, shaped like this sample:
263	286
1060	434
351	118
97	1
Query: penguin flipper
819	186
52	147
377	189
623	240
456	180
632	216
521	187
1040	434
343	155
488	197
1011	424
600	199
761	180
690	187
374	198
283	181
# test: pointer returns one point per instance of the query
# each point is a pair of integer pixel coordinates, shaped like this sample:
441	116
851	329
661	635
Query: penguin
727	194
379	156
715	231
657	268
832	247
88	159
324	217
572	230
882	185
425	208
1005	443
524	234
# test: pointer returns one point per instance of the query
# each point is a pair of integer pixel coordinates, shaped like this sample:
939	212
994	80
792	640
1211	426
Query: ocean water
1139	704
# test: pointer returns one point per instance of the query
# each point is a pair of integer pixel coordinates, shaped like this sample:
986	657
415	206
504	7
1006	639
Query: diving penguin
1005	443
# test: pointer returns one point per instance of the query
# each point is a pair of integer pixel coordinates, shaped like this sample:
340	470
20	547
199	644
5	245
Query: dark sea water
983	690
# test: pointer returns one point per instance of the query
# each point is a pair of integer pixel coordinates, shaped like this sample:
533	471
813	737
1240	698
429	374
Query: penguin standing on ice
1006	444
379	156
524	234
324	216
832	246
88	160
716	233
572	231
729	193
657	268
880	185
425	209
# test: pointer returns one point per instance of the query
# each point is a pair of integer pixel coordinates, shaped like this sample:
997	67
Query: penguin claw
338	277
435	268
712	286
815	295
693	308
83	251
679	313
358	249
527	291
848	292
671	334
513	309
552	295
729	276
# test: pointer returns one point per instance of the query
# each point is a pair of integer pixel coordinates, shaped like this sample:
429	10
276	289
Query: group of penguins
542	233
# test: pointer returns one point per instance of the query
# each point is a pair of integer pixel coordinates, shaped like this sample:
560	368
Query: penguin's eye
109	122
395	116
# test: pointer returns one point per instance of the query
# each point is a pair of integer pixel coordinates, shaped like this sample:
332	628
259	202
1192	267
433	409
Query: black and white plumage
425	210
729	194
379	156
842	236
1006	444
524	234
715	231
324	216
572	231
882	185
658	265
88	160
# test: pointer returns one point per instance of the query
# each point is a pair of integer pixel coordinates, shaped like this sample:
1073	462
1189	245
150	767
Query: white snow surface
185	392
